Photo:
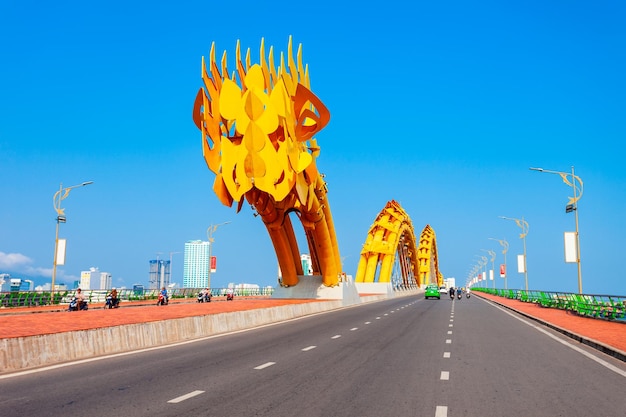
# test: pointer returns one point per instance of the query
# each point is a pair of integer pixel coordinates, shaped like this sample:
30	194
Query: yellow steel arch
428	259
390	236
257	137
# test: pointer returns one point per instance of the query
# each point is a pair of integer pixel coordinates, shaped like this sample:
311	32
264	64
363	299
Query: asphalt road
400	357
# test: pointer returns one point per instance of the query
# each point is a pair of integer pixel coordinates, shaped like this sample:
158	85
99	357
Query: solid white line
337	336
265	365
306	349
566	343
441	411
446	354
185	397
354	328
445	375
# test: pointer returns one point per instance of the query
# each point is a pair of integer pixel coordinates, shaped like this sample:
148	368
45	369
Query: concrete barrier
36	351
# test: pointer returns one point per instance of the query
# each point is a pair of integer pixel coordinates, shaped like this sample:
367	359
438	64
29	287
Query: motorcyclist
451	292
164	294
459	292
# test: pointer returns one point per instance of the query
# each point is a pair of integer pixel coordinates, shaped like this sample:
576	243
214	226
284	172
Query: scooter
162	301
204	297
452	296
467	294
112	303
230	296
459	295
74	305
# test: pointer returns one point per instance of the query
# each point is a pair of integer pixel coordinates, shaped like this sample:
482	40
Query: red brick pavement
607	333
33	321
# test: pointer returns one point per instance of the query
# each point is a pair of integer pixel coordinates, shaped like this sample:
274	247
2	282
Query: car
443	290
432	291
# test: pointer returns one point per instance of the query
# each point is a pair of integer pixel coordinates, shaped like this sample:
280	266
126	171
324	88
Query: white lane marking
354	328
445	375
449	331
446	354
377	318
451	320
368	322
441	411
185	397
337	336
448	341
450	325
386	314
566	343
265	365
306	349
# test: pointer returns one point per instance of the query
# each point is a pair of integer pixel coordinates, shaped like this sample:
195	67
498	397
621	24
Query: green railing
611	307
40	298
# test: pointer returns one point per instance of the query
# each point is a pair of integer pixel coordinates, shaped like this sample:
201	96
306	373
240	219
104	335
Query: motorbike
452	296
111	302
459	295
204	297
467	294
230	296
162	301
74	305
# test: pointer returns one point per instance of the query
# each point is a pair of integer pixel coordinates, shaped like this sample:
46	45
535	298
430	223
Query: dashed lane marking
306	349
445	375
448	341
185	397
441	411
354	328
265	365
337	336
446	354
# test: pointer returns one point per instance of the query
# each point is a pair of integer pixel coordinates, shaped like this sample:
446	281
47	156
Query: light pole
56	202
572	205
493	264
522	224
505	248
211	229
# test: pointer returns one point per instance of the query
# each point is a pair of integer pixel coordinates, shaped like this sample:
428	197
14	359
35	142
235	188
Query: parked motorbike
74	305
162	301
204	297
112	302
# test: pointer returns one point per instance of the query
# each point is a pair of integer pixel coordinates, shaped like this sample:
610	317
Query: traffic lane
501	366
368	369
141	381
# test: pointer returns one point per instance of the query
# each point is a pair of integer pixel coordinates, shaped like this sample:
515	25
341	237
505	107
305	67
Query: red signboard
213	263
502	270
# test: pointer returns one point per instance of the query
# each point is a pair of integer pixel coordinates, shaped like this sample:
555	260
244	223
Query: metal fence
610	307
40	298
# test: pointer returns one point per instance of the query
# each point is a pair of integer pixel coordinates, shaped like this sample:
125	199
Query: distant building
196	264
159	274
94	279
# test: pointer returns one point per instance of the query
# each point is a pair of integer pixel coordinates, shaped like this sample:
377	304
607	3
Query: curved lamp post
572	205
209	232
492	254
505	248
523	224
58	197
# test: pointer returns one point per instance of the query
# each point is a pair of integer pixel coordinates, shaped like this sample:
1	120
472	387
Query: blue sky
441	106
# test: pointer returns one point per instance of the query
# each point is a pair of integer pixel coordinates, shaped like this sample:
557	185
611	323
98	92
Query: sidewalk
604	335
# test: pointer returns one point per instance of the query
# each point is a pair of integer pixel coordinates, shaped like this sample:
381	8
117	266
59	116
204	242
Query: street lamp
211	229
572	205
523	224
493	264
56	202
505	248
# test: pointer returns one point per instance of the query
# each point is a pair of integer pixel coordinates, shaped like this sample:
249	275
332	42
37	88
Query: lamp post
56	202
211	229
493	264
522	224
505	248
482	263
572	205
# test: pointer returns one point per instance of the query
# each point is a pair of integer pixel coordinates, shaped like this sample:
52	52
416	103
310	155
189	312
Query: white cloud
14	261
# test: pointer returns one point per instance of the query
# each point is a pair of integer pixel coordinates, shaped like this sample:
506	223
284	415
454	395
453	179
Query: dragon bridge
258	125
391	252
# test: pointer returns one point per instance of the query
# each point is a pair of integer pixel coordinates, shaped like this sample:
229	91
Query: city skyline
443	110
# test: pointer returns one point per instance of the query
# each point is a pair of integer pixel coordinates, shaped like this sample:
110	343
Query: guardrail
609	307
40	298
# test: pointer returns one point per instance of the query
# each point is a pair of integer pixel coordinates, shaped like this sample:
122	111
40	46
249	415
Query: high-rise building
196	264
94	279
159	274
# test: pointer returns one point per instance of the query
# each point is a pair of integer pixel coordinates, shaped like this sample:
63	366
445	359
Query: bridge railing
40	298
611	307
